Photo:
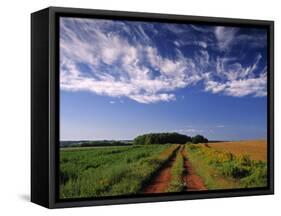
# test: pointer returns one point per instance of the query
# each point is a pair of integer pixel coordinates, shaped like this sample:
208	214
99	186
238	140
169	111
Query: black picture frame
45	106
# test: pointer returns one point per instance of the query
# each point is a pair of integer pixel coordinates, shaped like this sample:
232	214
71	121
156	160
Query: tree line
163	138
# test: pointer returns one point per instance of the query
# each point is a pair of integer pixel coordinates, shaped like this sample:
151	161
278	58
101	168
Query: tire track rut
161	180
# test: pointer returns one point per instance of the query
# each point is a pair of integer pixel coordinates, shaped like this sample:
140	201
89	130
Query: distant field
91	147
256	149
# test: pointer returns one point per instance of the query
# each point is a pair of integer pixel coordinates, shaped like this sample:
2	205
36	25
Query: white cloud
214	87
201	44
236	80
254	86
201	28
119	67
203	58
152	98
240	87
130	77
224	36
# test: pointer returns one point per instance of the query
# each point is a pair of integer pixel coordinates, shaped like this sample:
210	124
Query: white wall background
15	106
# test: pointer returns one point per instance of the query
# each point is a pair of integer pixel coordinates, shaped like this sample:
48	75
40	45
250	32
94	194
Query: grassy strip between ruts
176	184
110	171
223	170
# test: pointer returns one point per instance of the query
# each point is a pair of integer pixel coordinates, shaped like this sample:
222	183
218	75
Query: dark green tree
161	138
199	139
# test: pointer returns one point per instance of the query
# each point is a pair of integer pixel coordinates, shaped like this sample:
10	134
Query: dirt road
161	181
192	181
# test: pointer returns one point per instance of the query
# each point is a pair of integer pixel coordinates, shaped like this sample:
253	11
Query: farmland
160	168
109	171
225	170
256	149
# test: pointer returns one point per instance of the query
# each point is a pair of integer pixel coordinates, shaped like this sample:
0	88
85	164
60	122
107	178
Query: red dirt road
162	179
192	181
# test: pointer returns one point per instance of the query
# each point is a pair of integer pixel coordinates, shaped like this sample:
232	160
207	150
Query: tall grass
223	170
177	184
109	171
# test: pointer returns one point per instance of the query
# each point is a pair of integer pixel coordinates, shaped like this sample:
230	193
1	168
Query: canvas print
160	108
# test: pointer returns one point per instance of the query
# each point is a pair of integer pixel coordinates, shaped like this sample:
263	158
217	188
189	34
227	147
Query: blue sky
119	79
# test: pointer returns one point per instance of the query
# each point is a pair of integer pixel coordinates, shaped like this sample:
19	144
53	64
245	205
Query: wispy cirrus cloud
138	61
225	36
233	79
117	67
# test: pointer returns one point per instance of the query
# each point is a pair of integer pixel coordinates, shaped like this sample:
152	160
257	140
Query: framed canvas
139	107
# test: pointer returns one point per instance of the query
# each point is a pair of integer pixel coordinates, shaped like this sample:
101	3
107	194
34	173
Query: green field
109	171
158	168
